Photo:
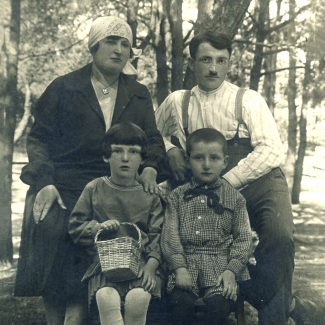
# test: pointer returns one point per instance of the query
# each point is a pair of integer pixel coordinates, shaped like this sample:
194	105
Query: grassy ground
309	277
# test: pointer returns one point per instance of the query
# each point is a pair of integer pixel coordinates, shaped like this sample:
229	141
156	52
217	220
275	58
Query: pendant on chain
105	91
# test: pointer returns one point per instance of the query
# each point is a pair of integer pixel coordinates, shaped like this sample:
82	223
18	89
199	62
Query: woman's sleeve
155	221
156	147
39	172
171	245
82	227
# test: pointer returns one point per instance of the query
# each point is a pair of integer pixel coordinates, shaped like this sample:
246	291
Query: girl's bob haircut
125	133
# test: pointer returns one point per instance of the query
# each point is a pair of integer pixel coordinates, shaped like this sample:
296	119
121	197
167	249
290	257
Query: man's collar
209	92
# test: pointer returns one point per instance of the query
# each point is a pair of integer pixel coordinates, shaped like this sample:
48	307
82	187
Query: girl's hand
109	225
183	279
229	285
148	274
148	180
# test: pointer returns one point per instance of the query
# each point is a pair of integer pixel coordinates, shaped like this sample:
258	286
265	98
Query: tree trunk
132	12
270	65
204	10
261	33
27	114
296	187
174	12
7	137
228	15
291	95
161	55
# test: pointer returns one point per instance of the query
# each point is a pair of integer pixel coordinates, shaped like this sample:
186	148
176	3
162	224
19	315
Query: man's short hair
219	41
206	135
124	133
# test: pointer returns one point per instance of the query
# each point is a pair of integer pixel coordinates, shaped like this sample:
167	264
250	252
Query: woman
64	153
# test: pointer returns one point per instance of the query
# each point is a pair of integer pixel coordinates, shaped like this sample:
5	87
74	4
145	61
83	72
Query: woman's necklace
106	89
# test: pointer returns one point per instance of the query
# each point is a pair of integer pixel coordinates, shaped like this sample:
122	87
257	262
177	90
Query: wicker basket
119	257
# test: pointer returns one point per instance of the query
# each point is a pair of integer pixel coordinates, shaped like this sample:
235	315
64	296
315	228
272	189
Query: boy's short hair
125	133
206	135
219	41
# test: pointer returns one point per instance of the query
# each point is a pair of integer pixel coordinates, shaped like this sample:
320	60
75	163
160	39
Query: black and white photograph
162	162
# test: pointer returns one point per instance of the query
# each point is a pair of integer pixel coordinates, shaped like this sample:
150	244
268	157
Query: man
250	128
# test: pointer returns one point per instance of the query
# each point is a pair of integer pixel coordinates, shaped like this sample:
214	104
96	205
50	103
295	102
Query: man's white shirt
216	109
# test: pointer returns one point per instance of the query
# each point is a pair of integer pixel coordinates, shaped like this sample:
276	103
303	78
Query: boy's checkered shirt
195	237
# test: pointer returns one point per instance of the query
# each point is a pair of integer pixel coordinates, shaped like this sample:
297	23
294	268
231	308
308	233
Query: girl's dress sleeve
82	227
155	221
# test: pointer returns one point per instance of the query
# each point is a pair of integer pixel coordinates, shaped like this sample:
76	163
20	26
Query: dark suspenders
238	148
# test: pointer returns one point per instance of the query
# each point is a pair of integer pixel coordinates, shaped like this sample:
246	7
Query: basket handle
122	223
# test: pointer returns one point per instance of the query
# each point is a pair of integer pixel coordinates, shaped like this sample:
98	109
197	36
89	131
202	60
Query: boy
206	237
104	204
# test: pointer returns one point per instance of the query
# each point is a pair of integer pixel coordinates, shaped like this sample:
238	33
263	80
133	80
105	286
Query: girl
104	204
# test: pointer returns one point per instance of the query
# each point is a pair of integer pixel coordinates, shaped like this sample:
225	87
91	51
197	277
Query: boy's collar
216	183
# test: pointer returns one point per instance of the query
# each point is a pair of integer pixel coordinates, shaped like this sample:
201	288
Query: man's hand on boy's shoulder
227	278
183	279
177	163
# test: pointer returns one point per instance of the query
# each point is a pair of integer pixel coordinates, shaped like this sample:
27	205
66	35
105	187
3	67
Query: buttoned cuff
234	180
169	146
235	266
156	256
176	261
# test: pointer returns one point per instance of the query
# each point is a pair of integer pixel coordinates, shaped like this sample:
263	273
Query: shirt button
197	232
199	217
202	201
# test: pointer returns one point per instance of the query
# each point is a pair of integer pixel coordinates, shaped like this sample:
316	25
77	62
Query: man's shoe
305	312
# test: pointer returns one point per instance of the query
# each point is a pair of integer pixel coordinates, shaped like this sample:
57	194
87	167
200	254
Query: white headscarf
106	26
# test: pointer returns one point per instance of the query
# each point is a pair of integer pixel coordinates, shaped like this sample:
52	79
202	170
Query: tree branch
52	52
279	70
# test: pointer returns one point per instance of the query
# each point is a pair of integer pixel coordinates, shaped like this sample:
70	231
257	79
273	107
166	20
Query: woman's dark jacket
64	144
64	149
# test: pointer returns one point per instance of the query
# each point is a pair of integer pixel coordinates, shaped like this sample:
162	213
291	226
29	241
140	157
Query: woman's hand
229	285
177	163
148	180
109	225
183	279
148	274
44	200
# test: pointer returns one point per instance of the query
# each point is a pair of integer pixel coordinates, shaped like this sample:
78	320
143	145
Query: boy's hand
148	180
229	285
148	274
177	163
183	279
109	225
44	200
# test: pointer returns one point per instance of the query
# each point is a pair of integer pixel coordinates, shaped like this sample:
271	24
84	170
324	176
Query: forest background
279	50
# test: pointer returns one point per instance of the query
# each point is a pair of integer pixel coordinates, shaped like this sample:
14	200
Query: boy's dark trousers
270	214
182	309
